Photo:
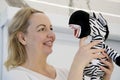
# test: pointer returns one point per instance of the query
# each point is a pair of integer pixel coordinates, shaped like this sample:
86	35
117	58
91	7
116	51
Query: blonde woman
30	43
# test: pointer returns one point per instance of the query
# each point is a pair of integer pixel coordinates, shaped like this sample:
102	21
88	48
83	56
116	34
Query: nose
51	34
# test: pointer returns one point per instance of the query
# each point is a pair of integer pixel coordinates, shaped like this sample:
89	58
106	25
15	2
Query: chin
49	52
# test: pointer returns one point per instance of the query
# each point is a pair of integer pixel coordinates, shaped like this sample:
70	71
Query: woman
30	42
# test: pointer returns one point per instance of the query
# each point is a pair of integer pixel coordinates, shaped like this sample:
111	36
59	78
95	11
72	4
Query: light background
65	45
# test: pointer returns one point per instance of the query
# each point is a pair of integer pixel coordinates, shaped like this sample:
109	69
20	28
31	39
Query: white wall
3	17
1	51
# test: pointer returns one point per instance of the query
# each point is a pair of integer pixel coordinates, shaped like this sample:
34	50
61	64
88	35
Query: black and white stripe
98	32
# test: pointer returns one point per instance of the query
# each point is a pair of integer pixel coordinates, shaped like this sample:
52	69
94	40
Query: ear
21	38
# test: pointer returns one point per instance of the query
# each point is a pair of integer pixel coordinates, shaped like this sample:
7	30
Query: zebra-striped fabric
98	32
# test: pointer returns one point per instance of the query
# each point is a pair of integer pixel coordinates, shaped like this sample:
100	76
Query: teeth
49	43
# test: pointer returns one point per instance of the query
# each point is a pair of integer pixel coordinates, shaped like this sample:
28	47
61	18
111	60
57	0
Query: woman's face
39	37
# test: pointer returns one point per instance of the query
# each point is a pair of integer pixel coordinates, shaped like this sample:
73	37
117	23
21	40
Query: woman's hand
85	54
108	71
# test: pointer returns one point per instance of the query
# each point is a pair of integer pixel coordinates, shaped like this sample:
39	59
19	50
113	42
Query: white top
21	73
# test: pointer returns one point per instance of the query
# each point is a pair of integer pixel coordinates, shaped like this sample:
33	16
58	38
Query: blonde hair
16	51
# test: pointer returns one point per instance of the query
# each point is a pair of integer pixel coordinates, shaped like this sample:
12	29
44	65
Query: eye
51	28
42	29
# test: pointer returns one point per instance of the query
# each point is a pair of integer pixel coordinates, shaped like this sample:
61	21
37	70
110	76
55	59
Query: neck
41	67
35	58
36	62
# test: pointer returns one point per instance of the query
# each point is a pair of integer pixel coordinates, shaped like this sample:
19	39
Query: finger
110	60
107	71
106	55
93	44
82	41
108	64
100	56
96	51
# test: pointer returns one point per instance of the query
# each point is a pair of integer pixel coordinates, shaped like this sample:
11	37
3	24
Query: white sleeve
16	75
65	71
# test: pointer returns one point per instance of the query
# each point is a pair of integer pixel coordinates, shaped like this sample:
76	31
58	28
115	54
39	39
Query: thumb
82	41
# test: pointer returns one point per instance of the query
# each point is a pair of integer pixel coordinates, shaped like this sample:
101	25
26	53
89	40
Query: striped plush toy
94	25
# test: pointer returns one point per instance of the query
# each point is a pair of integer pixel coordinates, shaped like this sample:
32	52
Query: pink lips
49	43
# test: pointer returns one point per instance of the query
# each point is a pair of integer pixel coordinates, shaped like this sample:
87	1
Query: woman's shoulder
16	74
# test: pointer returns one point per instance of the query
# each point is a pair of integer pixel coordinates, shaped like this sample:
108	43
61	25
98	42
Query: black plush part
118	61
107	32
81	18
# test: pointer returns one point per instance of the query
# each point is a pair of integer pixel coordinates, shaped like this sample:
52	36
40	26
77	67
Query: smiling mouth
49	43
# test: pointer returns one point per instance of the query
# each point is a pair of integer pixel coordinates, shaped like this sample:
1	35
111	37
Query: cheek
34	39
38	39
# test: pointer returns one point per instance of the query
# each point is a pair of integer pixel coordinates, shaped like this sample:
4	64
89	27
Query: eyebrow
42	25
